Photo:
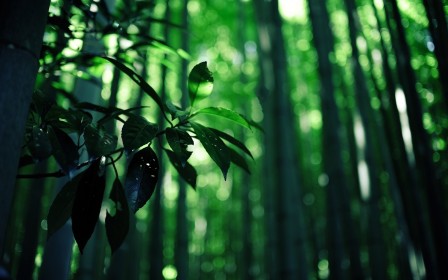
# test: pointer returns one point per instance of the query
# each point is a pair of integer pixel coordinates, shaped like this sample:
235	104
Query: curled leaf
200	82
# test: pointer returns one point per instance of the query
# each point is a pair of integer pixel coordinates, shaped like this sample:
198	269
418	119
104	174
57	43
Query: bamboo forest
220	139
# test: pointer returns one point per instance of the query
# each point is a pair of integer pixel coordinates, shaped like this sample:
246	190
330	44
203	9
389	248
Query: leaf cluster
67	135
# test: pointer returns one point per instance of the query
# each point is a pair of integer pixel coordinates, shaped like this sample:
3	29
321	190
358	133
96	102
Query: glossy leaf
137	131
39	145
214	146
186	170
200	82
137	79
179	140
141	178
61	208
87	203
98	142
224	113
117	223
232	140
64	149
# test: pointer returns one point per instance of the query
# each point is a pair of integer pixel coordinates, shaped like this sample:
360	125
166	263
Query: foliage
82	145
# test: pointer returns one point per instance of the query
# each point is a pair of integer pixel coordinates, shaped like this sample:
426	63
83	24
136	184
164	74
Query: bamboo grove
320	153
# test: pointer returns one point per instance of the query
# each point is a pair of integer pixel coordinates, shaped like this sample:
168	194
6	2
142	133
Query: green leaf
137	131
179	140
39	145
87	203
176	112
98	142
61	208
200	82
138	80
117	225
141	178
232	140
214	146
224	113
186	170
238	159
64	149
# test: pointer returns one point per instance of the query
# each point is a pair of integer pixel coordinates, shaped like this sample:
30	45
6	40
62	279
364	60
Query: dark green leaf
98	142
224	113
61	208
176	112
69	120
94	107
118	112
64	149
137	79
41	103
39	145
179	140
232	140
200	82
141	178
186	171
238	160
87	203
117	223
214	146
137	131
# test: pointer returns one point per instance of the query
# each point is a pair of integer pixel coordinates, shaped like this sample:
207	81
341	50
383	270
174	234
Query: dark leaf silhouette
87	204
117	222
186	170
39	146
61	208
64	149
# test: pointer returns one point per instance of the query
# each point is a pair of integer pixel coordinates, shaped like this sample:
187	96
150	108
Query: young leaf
179	140
224	113
61	208
117	226
137	79
39	146
141	178
87	203
64	149
186	170
214	146
98	142
200	82
232	140
137	131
